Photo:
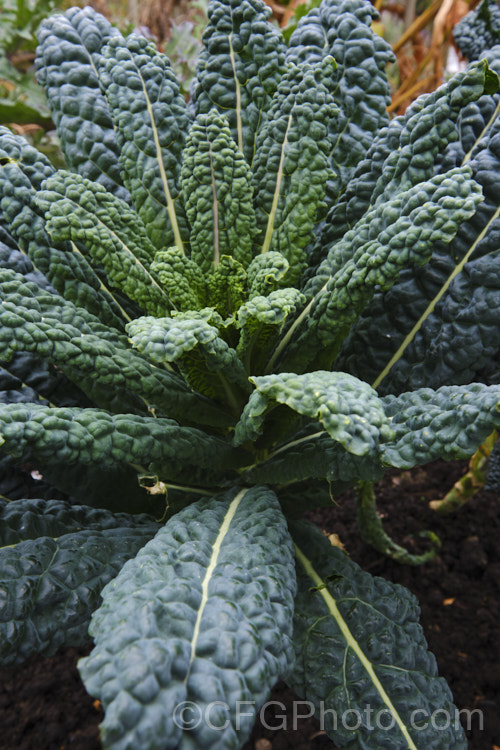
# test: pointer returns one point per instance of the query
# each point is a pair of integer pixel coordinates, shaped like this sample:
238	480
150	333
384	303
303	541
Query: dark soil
43	705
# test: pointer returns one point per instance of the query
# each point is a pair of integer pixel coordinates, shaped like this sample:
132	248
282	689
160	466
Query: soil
43	705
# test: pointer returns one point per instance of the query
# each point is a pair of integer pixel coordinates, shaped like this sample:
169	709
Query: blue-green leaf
69	51
448	423
362	656
239	68
54	560
203	614
151	121
22	172
291	163
83	211
342	29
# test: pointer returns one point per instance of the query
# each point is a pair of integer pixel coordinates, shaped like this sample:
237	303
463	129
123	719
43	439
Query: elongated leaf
362	656
77	104
151	121
218	194
203	614
22	171
54	560
91	354
239	68
451	422
342	29
92	436
407	339
291	163
262	319
404	153
310	454
79	210
390	237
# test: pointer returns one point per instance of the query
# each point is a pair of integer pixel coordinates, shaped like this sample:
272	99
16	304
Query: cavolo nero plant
223	314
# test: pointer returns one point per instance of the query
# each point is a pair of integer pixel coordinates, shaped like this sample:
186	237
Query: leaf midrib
352	642
223	531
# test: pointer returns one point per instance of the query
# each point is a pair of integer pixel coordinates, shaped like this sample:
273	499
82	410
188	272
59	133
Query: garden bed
43	705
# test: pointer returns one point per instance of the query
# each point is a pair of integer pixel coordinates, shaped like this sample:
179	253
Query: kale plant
223	314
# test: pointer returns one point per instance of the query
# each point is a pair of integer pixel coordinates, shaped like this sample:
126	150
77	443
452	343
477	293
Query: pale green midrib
352	643
102	286
96	73
135	260
284	447
432	304
239	125
223	530
288	335
216	257
488	125
293	443
159	157
279	176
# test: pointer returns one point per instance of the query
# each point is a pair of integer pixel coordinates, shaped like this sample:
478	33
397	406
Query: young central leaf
217	194
239	68
291	162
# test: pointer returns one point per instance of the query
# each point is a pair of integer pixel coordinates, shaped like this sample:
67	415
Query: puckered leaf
195	345
90	354
181	277
68	53
94	436
54	560
405	153
391	236
239	68
342	29
362	656
202	614
479	30
261	320
22	171
407	339
291	162
151	121
83	211
226	286
265	273
448	423
349	409
217	191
